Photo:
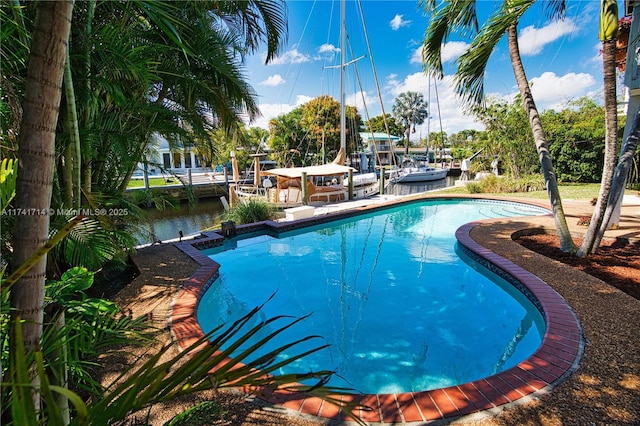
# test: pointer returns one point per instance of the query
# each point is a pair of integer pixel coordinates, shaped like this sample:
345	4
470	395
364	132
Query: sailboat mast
343	115
429	116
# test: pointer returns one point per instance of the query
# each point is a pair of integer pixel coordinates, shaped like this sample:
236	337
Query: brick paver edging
556	358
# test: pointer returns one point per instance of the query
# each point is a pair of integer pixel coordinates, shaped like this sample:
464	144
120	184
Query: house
378	152
162	157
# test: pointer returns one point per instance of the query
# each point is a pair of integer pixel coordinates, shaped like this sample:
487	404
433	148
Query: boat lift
465	166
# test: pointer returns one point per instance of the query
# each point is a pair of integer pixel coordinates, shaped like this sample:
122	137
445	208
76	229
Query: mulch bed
615	262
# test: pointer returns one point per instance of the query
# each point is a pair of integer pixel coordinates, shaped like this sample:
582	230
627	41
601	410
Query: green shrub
474	188
506	185
251	210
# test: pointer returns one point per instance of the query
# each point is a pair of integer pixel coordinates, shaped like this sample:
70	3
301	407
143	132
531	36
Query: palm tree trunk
73	160
566	242
406	143
91	105
36	156
627	155
611	150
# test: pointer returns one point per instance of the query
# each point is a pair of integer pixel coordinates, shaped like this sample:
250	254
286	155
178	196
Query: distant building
173	160
378	152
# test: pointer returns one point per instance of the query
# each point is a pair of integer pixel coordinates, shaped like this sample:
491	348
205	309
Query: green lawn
139	183
578	191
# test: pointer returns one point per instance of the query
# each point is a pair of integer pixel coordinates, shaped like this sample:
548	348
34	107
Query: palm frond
556	9
469	79
8	177
455	16
209	368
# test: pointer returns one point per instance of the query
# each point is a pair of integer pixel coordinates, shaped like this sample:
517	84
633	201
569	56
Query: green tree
286	137
36	156
608	35
410	109
508	137
377	124
321	120
576	140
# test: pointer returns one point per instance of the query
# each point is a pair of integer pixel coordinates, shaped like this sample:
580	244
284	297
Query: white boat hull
421	175
364	185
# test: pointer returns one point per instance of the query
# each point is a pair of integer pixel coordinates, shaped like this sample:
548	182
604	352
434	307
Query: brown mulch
615	262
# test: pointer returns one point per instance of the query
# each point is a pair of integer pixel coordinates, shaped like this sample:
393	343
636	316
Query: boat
328	183
306	185
417	170
364	185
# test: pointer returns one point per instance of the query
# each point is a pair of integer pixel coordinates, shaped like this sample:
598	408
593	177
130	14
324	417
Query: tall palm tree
410	110
469	77
608	36
36	156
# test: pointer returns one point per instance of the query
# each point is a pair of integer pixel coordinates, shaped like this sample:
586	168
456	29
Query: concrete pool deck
528	382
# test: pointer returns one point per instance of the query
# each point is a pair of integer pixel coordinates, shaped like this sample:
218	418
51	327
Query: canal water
162	225
206	214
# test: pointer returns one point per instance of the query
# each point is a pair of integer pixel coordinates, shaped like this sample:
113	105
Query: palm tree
36	156
472	64
608	36
410	109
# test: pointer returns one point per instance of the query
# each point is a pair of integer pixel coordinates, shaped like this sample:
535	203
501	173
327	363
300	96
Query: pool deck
555	360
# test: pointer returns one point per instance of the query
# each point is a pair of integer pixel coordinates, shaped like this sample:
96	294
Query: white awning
329	169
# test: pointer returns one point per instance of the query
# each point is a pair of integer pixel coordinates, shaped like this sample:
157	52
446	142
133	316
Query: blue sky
562	60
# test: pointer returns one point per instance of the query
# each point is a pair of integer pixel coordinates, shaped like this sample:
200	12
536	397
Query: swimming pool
402	310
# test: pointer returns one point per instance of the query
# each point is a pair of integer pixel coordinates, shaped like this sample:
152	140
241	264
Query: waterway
207	213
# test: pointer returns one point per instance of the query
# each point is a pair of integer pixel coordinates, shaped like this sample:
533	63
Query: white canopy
330	169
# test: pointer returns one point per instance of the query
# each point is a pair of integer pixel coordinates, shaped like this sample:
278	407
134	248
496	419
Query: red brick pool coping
556	358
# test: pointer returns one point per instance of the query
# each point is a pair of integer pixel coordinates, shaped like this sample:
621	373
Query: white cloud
533	40
270	111
398	22
274	80
416	57
551	91
292	56
453	50
445	107
450	52
328	48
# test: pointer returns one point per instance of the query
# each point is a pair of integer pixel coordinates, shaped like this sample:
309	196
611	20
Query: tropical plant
36	155
211	362
120	51
410	110
321	120
576	140
377	124
250	211
508	137
286	138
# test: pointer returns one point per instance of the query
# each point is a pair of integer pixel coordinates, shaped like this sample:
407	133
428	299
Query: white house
176	160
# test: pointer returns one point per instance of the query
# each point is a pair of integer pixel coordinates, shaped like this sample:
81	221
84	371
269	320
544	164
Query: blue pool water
401	308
